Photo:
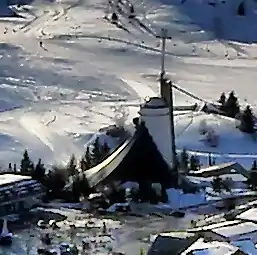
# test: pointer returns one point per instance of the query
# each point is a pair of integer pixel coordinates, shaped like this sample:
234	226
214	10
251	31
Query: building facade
18	193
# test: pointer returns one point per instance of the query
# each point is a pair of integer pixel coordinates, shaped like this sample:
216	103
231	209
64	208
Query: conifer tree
85	185
10	167
75	188
72	166
96	152
83	165
40	170
217	184
15	168
88	158
254	165
105	150
241	9
222	99
210	159
247	121
27	166
184	160
252	181
231	106
193	163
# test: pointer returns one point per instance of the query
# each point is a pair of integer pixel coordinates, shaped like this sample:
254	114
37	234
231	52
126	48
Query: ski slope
54	97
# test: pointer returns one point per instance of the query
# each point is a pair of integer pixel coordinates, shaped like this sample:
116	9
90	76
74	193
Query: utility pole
166	90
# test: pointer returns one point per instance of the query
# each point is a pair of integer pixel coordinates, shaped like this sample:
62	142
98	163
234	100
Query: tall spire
166	91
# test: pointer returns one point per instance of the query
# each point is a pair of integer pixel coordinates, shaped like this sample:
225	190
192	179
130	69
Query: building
18	193
221	169
248	215
171	243
216	248
232	233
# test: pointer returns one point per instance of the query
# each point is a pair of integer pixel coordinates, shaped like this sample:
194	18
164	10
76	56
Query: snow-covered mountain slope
54	97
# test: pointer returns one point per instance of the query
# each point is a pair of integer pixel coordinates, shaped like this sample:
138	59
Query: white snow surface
53	98
210	248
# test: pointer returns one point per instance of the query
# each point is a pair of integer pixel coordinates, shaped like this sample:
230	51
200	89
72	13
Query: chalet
18	193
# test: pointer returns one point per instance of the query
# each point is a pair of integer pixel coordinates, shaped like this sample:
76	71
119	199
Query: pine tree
83	165
184	160
252	180
72	166
105	150
40	170
210	159
96	152
85	185
88	158
27	166
15	168
231	106
241	9
193	163
75	188
222	99
254	165
57	178
247	121
217	184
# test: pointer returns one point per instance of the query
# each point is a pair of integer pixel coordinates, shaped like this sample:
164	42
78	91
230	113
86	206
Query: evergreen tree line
187	163
252	180
56	178
231	108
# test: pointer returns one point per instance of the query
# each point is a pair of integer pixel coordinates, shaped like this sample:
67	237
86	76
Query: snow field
68	89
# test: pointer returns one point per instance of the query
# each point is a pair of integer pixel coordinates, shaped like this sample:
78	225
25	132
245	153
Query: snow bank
178	199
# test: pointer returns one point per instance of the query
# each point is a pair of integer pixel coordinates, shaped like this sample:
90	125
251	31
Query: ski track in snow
61	146
77	42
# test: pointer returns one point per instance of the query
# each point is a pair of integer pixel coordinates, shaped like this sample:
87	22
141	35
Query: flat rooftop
12	178
200	247
249	215
234	230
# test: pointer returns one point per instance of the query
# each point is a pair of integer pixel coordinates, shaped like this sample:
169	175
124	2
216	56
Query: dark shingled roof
169	245
138	159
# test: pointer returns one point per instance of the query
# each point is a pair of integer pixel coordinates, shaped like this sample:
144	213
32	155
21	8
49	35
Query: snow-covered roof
12	178
250	215
235	230
216	167
155	102
210	248
220	224
246	246
234	177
